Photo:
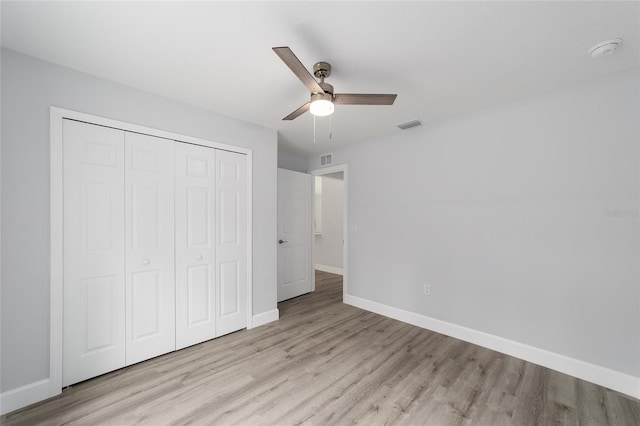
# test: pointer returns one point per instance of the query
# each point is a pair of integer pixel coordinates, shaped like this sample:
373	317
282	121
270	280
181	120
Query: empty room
322	213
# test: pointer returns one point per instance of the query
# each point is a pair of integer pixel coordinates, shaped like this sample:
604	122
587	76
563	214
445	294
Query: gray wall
29	88
290	161
523	218
327	248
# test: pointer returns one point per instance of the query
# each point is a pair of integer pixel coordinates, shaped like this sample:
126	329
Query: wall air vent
326	159
409	124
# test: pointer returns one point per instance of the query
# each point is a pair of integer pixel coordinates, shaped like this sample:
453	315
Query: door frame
344	168
57	115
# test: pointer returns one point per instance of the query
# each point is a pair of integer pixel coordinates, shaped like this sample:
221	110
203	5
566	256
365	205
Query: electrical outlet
427	289
353	227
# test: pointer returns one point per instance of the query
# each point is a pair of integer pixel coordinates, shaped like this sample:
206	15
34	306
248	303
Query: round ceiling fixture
605	48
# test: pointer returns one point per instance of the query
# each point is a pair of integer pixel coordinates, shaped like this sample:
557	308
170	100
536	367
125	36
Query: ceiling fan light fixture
322	108
321	104
323	98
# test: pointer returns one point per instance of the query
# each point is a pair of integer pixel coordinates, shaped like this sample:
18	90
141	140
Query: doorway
330	222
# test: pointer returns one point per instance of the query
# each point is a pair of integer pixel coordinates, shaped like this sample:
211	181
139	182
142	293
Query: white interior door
150	278
195	244
94	273
294	234
231	242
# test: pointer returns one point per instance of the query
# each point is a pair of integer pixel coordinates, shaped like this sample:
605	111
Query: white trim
56	259
54	383
23	396
344	168
327	268
60	113
249	240
602	376
265	318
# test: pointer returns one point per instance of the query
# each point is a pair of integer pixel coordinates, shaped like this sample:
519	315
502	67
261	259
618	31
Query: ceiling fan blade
364	99
295	114
298	69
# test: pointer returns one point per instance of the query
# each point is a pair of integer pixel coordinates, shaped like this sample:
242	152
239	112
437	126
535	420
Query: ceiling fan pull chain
330	129
314	129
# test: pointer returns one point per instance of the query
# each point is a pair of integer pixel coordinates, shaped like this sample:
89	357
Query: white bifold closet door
211	234
155	247
195	244
149	219
119	280
94	251
231	241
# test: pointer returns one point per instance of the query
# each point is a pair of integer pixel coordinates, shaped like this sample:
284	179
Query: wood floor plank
327	363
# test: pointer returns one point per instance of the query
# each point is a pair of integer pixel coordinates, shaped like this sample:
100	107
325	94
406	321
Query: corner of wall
265	318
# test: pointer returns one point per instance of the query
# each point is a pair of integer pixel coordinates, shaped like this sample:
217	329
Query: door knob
282	241
145	262
199	257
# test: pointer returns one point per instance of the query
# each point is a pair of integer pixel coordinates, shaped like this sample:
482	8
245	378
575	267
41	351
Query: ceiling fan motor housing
322	97
322	69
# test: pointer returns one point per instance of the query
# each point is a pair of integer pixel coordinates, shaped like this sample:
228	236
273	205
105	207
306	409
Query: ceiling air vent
409	124
326	159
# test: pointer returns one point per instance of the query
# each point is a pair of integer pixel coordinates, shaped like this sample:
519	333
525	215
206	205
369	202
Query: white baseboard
265	318
602	376
330	269
28	394
24	395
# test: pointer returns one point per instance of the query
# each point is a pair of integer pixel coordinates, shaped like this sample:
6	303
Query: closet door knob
145	262
199	257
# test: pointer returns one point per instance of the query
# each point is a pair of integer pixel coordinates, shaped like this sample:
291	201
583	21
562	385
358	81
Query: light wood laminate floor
328	363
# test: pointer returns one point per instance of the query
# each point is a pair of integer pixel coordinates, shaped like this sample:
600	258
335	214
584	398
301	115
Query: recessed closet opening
151	243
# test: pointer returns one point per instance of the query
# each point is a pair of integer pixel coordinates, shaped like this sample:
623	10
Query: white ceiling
442	58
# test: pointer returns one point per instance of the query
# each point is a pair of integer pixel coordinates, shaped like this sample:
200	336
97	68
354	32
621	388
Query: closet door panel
94	274
231	236
195	244
150	271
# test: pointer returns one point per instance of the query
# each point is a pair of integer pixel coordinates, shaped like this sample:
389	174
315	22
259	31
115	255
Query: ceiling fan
323	98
